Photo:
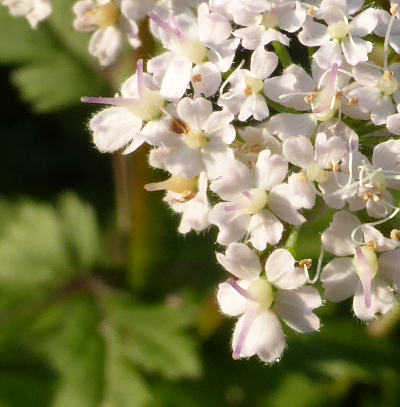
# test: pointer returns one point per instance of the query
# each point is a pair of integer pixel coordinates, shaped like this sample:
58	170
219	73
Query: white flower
244	96
190	40
188	197
253	298
357	276
34	11
246	198
195	140
109	25
340	36
282	14
119	126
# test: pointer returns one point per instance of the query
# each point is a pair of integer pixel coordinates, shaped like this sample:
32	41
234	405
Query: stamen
366	275
222	88
139	76
233	283
387	39
118	101
166	27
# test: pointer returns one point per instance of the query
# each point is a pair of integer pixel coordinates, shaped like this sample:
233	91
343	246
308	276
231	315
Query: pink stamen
329	93
139	76
166	27
247	194
365	275
125	102
233	283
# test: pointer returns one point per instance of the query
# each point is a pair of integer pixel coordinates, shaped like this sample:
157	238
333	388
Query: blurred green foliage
74	330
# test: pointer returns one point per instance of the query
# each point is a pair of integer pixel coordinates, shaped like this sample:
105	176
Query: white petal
356	51
328	54
270	170
264	338
195	112
363	23
313	34
263	63
303	190
241	261
206	79
281	271
339	279
114	127
106	44
382	300
232	226
287	125
264	228
337	238
389	265
230	301
299	151
282	203
393	124
295	308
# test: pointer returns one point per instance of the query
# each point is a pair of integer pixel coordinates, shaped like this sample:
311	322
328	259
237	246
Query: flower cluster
253	143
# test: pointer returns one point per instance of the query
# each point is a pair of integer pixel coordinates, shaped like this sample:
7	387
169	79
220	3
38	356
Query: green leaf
154	337
54	67
70	340
81	230
124	386
32	251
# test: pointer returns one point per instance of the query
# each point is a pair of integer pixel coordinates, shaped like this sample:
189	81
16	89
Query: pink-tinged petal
241	261
296	307
259	334
339	279
382	300
229	300
337	238
281	271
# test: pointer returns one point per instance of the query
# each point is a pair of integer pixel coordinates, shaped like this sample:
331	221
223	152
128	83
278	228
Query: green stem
291	242
282	53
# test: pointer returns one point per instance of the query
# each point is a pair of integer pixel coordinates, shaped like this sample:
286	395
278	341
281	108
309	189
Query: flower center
256	200
338	30
186	187
104	16
261	291
270	20
195	139
149	106
253	85
193	50
387	84
315	173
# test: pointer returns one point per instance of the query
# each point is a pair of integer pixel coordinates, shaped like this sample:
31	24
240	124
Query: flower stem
283	54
